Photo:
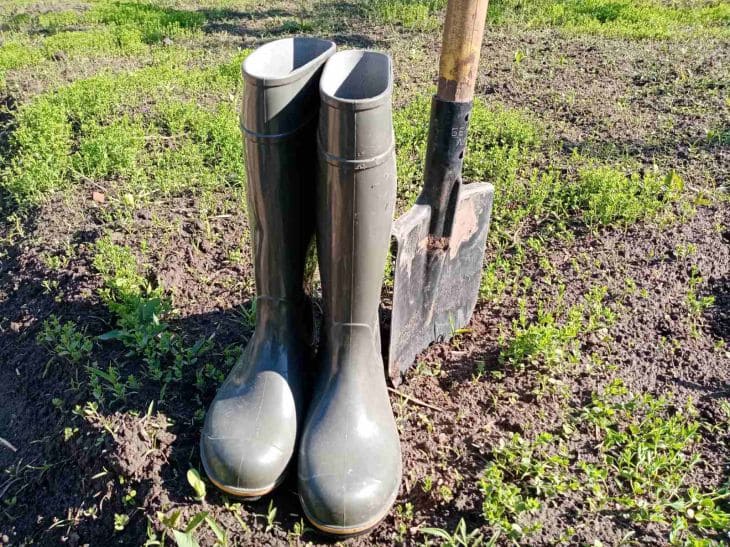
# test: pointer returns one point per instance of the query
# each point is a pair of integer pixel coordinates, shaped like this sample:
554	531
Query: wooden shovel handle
460	48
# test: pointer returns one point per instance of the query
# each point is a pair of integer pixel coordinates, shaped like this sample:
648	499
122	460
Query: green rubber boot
252	425
349	458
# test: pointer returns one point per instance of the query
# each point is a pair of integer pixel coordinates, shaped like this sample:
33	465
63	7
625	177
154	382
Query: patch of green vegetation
152	21
550	343
618	18
418	15
107	29
93	128
206	144
645	452
141	313
111	150
604	196
50	22
16	54
550	206
39	152
96	42
65	340
647	448
520	476
54	21
120	272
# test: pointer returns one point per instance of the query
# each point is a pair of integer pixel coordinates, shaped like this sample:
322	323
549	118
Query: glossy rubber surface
349	459
251	427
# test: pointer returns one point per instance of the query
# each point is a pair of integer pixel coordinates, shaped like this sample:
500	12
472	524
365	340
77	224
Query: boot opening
356	75
284	58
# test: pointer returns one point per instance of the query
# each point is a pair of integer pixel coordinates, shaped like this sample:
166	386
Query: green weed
120	522
197	484
553	344
646	449
647	446
461	537
65	340
109	387
185	536
141	311
418	15
120	271
404	518
271	516
519	477
634	19
696	303
719	136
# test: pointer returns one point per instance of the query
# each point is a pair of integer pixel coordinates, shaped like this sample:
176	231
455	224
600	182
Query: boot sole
248	493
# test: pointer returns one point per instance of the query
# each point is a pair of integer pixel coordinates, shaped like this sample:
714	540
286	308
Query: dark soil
68	491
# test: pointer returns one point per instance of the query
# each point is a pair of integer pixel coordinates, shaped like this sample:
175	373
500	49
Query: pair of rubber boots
320	158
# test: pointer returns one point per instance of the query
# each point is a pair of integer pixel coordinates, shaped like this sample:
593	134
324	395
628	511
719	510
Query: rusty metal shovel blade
436	285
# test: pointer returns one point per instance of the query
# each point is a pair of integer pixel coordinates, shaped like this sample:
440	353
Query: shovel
439	243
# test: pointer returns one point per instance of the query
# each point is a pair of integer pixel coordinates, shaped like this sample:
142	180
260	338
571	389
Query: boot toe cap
249	435
243	467
349	505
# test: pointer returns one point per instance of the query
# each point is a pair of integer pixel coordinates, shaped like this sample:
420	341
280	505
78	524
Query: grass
643	19
95	129
419	15
109	28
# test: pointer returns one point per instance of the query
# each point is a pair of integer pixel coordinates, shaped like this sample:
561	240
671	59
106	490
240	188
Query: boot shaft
356	185
278	121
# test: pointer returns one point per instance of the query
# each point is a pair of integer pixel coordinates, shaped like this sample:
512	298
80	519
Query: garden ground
586	404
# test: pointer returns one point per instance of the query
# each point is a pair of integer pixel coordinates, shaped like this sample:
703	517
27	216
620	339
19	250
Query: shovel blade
435	289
